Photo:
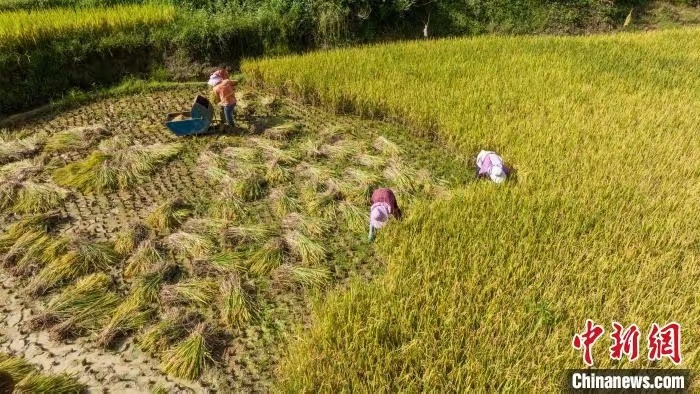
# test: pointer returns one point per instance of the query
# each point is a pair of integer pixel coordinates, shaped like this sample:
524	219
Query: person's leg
228	112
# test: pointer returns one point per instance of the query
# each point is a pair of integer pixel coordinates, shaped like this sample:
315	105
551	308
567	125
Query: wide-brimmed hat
497	174
379	215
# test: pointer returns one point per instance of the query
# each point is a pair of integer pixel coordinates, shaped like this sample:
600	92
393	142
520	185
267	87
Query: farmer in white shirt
491	164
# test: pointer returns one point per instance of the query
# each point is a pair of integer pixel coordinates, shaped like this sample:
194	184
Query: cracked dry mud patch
251	351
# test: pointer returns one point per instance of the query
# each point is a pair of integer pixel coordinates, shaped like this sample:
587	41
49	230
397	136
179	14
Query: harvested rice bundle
17	149
386	146
198	292
76	138
306	224
38	383
169	214
117	162
190	245
237	235
83	257
241	154
250	187
267	258
354	217
235	304
129	239
282	202
147	258
312	149
34	197
189	358
317	176
169	330
134	312
19	171
17	368
228	261
33	251
303	277
79	307
342	149
276	174
371	161
227	206
272	151
402	176
310	252
284	132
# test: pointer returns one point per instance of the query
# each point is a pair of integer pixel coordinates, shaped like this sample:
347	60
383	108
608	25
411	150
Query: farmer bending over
383	204
491	164
224	90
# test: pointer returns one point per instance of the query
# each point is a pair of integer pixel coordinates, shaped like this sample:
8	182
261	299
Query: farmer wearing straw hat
224	92
383	204
491	164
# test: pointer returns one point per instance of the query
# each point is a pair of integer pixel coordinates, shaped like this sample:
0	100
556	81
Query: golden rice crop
485	287
28	27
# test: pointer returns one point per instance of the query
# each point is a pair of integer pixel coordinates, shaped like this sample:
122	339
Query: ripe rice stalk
38	383
402	176
310	252
306	224
128	240
17	149
189	358
33	241
16	367
190	245
77	138
265	259
386	146
33	251
145	259
235	304
138	161
282	203
82	258
39	197
169	214
199	292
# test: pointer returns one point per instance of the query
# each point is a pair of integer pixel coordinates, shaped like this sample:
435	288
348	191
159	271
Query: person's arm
371	232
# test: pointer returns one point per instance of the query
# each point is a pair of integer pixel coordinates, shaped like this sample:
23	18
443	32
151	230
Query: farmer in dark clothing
382	205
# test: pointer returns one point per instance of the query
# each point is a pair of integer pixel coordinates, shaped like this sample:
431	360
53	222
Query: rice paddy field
485	288
136	261
26	27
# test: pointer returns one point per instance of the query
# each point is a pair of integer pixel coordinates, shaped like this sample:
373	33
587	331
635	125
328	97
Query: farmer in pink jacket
491	164
383	204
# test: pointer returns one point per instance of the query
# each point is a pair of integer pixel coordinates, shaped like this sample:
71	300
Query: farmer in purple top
383	204
491	164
